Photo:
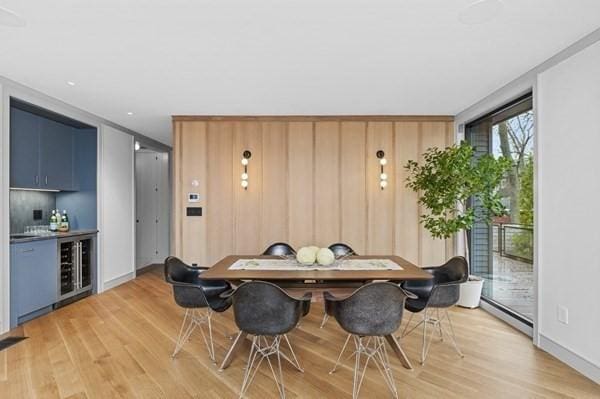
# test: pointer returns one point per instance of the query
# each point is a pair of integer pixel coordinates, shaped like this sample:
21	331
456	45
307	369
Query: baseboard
584	366
524	328
118	280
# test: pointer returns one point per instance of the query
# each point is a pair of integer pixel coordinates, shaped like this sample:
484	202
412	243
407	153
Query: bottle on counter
64	225
53	221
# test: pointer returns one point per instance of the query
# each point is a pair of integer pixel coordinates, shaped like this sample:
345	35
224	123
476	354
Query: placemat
291	265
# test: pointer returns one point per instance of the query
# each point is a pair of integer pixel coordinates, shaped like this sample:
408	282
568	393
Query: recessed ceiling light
70	83
480	12
11	19
130	113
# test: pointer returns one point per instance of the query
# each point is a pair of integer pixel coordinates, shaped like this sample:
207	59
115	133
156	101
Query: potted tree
446	180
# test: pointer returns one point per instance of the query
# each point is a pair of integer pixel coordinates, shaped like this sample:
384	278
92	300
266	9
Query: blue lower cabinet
34	279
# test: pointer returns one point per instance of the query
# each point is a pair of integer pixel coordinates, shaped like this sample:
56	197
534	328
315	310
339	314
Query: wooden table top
220	271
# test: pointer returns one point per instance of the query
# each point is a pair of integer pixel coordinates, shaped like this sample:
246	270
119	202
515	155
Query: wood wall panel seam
420	146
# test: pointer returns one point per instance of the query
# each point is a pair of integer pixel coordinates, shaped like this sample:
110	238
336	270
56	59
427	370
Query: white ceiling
157	58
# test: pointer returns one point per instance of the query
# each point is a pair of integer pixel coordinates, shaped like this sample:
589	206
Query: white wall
117	205
567	240
4	215
568	107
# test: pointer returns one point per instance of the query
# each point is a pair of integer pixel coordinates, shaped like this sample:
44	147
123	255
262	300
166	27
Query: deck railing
513	241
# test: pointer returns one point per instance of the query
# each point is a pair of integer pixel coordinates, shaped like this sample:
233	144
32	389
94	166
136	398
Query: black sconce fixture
245	157
383	177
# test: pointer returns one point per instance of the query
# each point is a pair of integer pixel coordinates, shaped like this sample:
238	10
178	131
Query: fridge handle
74	267
78	266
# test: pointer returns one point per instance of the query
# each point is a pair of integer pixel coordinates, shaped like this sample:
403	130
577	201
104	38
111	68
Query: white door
145	208
152	207
117	208
163	210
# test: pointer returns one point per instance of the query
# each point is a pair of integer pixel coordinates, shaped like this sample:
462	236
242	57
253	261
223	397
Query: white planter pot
470	292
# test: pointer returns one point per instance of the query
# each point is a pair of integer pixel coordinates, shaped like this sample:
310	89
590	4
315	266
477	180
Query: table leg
235	346
399	352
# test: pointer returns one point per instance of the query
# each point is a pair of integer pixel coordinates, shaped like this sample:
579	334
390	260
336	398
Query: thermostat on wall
193	197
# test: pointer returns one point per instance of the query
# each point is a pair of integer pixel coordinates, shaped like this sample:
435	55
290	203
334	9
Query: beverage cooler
77	259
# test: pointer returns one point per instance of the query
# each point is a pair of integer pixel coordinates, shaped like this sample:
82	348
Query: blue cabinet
56	155
41	152
33	278
24	149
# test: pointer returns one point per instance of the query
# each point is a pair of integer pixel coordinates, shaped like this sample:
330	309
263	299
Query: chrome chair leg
441	330
325	318
372	348
424	347
407	324
337	362
437	323
452	335
180	341
261	350
191	321
294	360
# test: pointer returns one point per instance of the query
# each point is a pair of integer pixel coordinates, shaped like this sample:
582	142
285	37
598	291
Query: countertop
49	236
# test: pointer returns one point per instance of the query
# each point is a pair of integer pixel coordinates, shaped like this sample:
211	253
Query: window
502	253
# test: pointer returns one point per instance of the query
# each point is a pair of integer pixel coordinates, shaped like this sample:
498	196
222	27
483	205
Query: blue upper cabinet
24	149
41	152
56	155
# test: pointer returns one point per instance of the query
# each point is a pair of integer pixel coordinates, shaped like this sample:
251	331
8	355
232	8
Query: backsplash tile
22	204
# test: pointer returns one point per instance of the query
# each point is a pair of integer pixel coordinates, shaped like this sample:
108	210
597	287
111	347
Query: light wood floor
117	344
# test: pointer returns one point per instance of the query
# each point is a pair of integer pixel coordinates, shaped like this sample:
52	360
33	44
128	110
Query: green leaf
449	178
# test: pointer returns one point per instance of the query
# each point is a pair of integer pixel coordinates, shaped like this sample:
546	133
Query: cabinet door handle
28	250
46	180
36	180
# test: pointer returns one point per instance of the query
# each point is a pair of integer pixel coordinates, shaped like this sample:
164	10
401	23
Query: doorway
152	206
502	252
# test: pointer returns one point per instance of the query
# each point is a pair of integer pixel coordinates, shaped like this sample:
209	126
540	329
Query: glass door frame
513	108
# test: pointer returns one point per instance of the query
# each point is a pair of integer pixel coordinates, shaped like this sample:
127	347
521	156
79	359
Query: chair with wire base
200	299
371	313
280	249
340	250
434	298
267	312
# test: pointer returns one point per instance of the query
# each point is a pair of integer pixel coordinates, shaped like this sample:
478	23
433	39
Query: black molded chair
280	249
372	312
439	293
194	294
339	250
266	311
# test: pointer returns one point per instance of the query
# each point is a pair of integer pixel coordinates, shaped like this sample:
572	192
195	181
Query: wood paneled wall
312	180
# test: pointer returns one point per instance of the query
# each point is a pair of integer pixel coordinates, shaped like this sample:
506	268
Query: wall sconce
383	177
245	157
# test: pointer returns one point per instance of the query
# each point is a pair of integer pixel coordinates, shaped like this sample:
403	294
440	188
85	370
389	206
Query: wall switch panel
563	314
193	211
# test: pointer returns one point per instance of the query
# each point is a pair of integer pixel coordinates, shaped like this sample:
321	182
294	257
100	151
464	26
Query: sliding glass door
502	253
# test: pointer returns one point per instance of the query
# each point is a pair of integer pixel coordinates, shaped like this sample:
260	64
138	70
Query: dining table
344	274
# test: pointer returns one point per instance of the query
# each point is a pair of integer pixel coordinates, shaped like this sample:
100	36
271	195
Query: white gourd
325	257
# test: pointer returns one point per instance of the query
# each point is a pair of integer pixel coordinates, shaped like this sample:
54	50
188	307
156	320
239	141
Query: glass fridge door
67	268
86	262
